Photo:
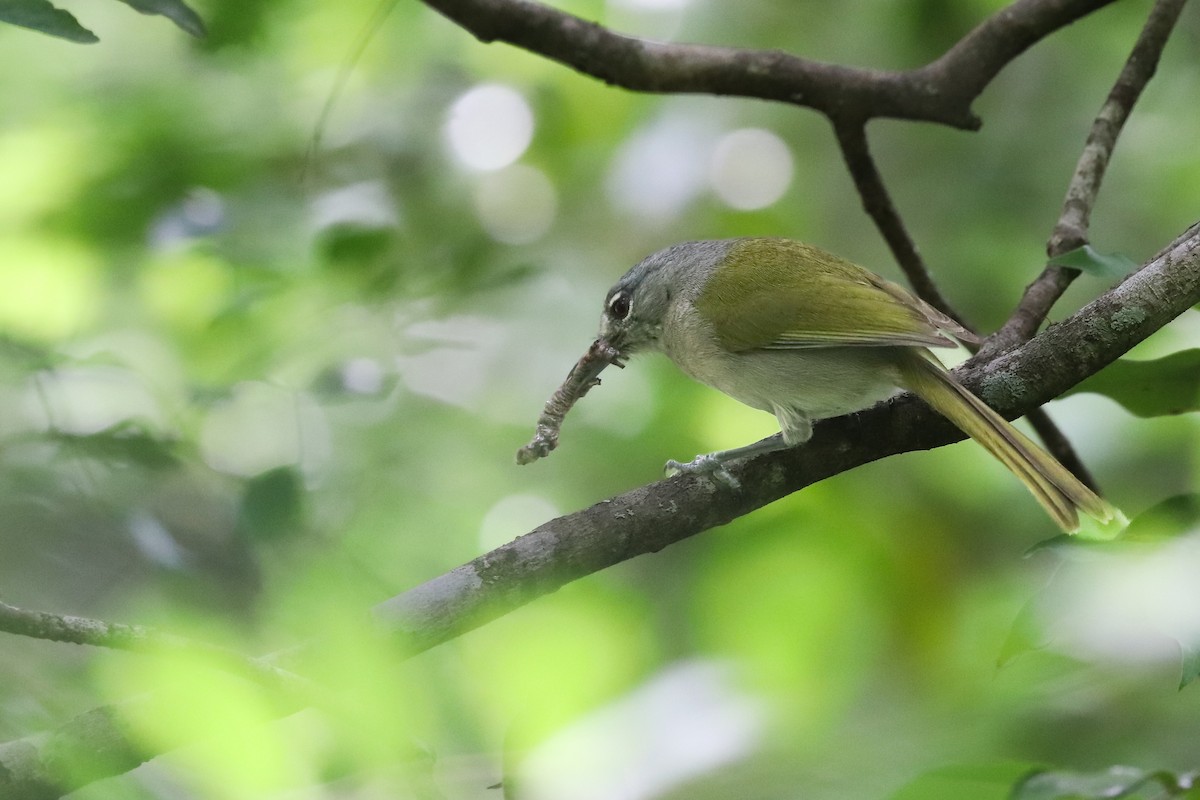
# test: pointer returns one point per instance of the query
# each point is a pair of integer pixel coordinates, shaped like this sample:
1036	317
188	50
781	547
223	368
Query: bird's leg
795	428
714	463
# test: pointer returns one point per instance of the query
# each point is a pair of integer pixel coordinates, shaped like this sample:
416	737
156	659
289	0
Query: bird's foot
708	464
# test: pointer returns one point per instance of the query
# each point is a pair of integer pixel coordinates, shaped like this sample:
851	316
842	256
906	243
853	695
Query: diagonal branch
940	92
1071	231
877	202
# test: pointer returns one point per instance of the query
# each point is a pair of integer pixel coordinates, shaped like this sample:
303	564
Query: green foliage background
229	411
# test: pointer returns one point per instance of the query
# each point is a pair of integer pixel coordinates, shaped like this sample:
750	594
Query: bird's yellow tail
1059	492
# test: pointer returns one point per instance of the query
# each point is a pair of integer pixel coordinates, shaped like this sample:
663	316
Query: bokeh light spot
49	289
262	427
489	127
186	289
750	169
516	205
687	720
658	171
89	398
362	376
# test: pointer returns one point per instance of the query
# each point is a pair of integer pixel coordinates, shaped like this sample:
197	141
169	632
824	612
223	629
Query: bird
793	330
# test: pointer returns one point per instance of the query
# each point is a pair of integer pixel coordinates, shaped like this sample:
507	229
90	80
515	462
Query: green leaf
1169	519
1164	386
1025	635
1189	653
272	505
1114	782
976	781
41	15
125	443
175	10
1088	259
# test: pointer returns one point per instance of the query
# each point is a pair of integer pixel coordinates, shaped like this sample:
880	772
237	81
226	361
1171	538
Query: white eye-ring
618	305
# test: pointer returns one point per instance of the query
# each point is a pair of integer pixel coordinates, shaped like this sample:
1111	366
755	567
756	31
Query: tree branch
877	202
1071	230
940	92
138	638
649	518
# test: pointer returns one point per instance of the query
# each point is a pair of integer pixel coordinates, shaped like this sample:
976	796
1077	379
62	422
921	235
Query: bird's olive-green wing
782	294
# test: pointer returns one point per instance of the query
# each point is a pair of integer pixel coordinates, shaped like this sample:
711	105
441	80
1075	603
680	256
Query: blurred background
259	373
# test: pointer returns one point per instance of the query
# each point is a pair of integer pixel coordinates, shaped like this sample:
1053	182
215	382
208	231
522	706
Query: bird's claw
703	465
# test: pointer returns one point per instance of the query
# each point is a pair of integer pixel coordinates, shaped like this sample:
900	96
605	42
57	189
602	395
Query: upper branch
1071	230
877	202
939	92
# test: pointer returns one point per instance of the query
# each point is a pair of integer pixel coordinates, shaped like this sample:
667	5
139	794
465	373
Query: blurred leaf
272	505
123	443
189	698
26	355
40	15
974	781
1169	385
232	22
1190	662
1094	530
1103	265
1053	544
1024	636
1128	782
1069	546
175	10
541	668
1171	518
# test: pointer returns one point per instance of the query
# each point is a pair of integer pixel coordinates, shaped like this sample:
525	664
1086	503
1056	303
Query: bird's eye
618	306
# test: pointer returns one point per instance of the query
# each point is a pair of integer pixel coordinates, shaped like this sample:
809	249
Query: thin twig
1071	230
345	69
1060	447
582	377
941	92
138	638
852	139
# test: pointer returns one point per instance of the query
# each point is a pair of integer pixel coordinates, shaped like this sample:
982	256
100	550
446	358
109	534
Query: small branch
1071	231
941	92
852	139
1059	446
971	64
582	377
137	638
